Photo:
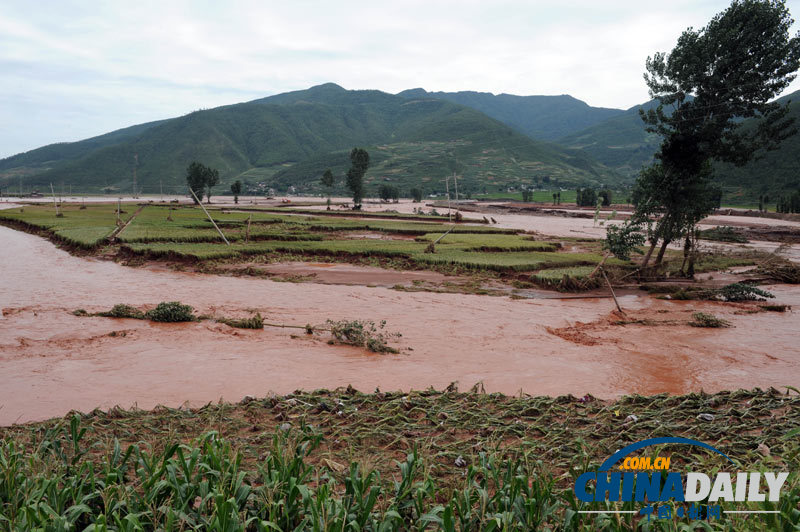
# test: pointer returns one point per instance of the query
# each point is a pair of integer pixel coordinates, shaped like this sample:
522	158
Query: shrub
701	319
122	310
363	334
743	292
172	311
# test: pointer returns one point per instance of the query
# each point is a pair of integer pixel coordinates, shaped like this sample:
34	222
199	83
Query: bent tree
713	79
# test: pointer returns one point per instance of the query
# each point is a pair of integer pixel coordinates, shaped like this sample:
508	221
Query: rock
286	427
460	462
632	418
705	417
247	399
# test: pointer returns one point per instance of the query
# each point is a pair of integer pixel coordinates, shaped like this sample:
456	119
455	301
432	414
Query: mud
52	362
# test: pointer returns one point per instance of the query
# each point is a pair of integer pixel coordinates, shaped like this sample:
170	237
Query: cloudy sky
71	70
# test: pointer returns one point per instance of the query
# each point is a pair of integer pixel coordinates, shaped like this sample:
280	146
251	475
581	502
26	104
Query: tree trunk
649	253
692	254
687	247
661	252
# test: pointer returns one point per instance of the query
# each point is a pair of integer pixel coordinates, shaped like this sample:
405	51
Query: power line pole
447	188
135	164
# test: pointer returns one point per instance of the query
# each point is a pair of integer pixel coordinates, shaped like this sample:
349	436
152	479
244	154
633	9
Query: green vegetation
744	57
722	234
120	310
702	319
186	233
84	228
359	163
337	460
290	139
253	322
171	312
201	179
363	334
566	279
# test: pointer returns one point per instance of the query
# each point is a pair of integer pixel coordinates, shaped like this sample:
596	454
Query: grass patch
702	319
253	322
723	234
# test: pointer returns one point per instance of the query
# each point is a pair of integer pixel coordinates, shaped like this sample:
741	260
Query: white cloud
69	70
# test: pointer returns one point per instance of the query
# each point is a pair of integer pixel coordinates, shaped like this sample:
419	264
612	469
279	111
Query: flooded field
52	361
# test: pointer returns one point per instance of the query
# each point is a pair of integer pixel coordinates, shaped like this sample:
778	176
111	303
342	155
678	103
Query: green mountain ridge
540	117
289	139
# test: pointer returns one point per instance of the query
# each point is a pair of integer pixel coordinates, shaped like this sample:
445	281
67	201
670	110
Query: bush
171	312
363	334
701	319
122	310
743	292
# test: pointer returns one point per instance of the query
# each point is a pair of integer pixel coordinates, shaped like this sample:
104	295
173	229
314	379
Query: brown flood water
52	362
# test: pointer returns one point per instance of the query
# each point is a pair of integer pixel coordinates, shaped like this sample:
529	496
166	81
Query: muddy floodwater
52	361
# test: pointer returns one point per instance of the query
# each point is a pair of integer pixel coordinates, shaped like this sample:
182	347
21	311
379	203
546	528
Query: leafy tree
199	178
622	240
714	77
416	194
586	197
236	188
211	181
328	181
526	195
606	195
359	162
388	192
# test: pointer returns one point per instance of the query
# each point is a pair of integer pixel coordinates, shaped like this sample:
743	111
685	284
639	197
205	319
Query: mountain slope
540	117
40	159
620	142
289	139
772	173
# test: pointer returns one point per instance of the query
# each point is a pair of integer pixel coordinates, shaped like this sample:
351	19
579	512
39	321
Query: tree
526	195
416	194
236	188
328	181
359	162
714	77
199	178
388	192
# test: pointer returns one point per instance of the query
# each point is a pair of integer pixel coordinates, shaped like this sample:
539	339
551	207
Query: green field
184	232
82	227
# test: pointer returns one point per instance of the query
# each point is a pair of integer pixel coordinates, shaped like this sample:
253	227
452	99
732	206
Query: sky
72	70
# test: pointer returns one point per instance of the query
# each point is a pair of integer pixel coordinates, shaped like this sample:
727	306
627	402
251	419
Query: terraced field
185	233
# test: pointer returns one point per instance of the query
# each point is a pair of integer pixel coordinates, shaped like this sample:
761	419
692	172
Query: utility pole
135	164
455	180
447	188
53	193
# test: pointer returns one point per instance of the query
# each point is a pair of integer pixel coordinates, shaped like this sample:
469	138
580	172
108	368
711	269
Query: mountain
619	142
539	117
622	143
42	159
289	139
773	173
